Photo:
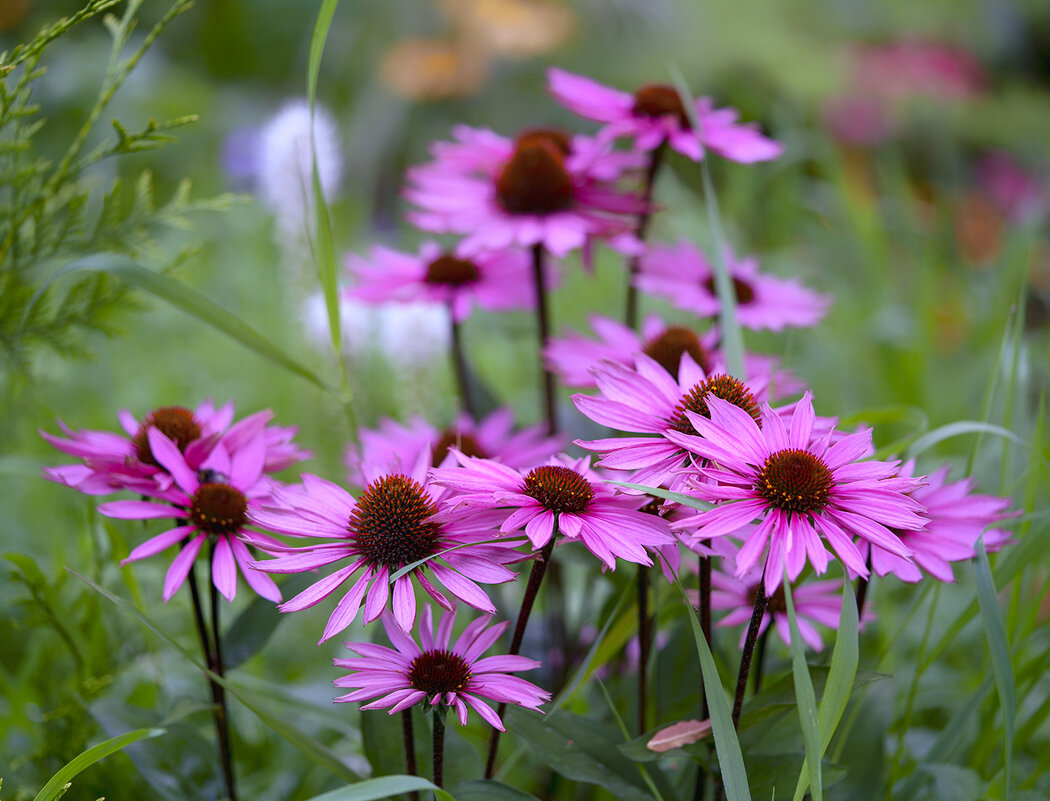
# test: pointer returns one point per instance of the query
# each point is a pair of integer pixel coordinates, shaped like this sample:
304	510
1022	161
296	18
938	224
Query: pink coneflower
957	518
683	276
546	190
439	672
574	357
493	281
394	447
654	114
650	401
210	503
815	602
799	489
564	494
114	462
393	523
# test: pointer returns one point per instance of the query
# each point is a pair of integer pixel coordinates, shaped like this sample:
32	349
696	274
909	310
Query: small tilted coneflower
210	504
654	115
564	495
438	671
393	523
683	276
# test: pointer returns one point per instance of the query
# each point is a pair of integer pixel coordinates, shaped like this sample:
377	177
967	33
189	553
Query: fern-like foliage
51	214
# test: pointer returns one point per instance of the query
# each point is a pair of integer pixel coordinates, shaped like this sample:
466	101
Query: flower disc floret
559	489
667	349
659	100
464	443
390	522
447	269
720	386
439	672
742	290
177	423
217	508
795	480
555	137
535	180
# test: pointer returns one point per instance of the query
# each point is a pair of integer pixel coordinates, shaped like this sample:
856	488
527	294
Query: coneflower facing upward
440	672
390	525
798	488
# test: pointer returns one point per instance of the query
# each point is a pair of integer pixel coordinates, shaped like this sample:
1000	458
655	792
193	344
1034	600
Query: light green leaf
957	429
677	497
57	785
730	758
383	787
807	702
1002	665
844	660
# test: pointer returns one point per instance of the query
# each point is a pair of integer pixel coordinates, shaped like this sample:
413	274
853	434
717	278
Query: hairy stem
222	719
539	570
439	745
409	737
644	637
705	619
749	648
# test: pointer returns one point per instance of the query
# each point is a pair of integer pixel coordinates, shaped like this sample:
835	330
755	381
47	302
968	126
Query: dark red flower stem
218	695
644	642
409	737
749	649
543	331
655	160
862	589
225	745
439	745
705	619
539	570
459	362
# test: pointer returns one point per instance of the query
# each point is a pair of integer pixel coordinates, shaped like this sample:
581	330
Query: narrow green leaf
383	787
420	562
677	497
314	749
627	738
488	790
1002	665
807	702
186	299
959	428
844	660
57	784
730	758
731	335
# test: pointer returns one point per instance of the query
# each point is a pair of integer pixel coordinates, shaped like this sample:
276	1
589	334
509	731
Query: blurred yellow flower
512	28
431	69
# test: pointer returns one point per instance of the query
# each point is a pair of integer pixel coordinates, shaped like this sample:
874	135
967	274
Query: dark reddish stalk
749	649
862	590
459	362
219	692
539	569
644	641
439	745
218	696
655	160
543	330
409	738
705	619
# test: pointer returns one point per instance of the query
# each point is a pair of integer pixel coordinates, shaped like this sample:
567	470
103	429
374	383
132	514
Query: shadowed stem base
749	649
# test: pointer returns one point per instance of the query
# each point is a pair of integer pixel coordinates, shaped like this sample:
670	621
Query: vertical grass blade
807	701
732	337
727	746
844	660
1002	666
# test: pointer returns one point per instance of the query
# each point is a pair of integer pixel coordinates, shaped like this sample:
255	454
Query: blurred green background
889	112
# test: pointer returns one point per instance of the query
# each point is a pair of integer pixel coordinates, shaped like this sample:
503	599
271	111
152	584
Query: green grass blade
383	787
677	497
807	701
1002	666
627	738
188	300
844	660
957	429
727	746
730	332
57	784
